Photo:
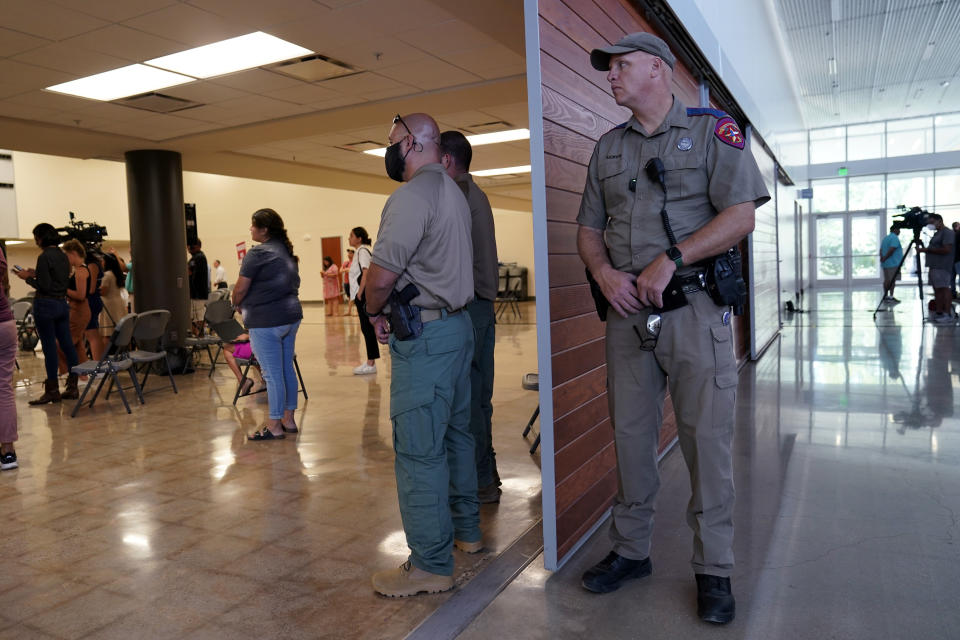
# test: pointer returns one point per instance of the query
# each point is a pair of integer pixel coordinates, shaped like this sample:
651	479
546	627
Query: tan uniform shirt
707	170
486	275
425	237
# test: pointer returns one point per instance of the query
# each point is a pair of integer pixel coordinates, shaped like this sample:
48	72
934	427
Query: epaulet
704	111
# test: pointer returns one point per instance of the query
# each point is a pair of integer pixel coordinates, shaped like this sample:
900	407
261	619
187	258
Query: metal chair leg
533	419
173	382
243	379
303	387
536	443
136	385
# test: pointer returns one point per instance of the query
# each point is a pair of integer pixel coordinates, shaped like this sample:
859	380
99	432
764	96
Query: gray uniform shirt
486	275
425	237
707	170
940	239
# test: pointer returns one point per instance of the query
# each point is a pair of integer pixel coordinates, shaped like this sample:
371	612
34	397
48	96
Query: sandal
265	434
245	389
292	429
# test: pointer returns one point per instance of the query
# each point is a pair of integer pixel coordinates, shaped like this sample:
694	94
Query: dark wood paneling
588	95
558	42
558	110
566	269
560	141
574	393
564	174
580	452
566	302
577	361
563	206
582	473
568	428
594	16
594	500
568	333
562	237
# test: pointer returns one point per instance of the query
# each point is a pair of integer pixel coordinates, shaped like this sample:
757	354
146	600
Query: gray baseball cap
642	41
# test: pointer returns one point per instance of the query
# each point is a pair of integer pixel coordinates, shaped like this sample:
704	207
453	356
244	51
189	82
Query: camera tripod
886	285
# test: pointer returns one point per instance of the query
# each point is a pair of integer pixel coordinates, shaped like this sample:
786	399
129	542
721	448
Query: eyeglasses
649	342
397	119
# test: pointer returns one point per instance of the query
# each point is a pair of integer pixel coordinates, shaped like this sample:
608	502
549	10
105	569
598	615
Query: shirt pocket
685	176
613	182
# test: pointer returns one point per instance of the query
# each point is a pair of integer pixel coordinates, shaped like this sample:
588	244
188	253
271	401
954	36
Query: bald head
419	138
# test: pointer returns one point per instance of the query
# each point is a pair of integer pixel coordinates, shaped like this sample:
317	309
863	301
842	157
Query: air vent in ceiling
157	102
490	127
363	145
314	68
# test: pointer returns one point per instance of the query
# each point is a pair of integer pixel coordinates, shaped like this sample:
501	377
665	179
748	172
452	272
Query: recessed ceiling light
235	54
120	83
945	83
476	140
499	172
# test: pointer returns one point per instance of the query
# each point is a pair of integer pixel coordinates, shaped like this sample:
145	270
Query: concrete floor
848	482
168	523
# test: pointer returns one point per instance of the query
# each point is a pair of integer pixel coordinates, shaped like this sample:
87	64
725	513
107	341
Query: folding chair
531	382
27	336
150	329
246	363
216	311
510	299
114	360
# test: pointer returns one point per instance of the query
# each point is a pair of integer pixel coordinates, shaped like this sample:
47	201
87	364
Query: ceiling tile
368	85
204	92
25	112
115	10
256	81
305	93
362	53
124	42
46	20
448	37
30	76
71	59
335	103
429	73
261	15
49	99
14	42
189	25
496	61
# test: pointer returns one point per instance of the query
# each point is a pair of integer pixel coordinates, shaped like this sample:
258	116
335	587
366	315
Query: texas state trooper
424	241
709	186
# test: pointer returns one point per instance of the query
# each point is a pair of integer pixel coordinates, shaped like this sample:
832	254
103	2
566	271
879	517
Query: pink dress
331	282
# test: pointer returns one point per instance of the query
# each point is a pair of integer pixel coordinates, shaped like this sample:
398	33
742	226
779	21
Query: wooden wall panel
566	302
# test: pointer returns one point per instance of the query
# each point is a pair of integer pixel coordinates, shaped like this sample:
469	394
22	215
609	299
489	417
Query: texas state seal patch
728	132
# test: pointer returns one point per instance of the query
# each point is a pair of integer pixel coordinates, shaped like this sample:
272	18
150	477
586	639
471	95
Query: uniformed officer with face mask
424	241
692	164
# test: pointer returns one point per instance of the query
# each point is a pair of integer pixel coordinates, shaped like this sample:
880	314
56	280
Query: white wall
49	186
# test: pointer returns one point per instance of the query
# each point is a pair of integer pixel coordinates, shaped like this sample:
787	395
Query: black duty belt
692	282
429	315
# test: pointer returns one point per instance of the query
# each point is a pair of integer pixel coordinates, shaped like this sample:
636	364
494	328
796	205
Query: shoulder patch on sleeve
728	132
703	111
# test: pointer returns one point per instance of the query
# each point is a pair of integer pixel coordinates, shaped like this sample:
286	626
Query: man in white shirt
219	276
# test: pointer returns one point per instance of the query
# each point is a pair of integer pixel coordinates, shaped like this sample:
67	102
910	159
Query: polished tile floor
848	505
168	524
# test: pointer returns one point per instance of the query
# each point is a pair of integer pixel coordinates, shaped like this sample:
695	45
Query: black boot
609	574
51	393
70	391
715	601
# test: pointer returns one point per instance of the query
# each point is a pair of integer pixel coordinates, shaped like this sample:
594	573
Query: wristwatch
674	254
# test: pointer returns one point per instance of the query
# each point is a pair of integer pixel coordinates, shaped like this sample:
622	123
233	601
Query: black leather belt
429	315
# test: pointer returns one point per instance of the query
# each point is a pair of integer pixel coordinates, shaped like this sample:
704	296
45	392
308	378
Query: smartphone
17	267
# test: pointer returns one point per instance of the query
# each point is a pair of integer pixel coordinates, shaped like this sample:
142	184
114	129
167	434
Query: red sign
241	251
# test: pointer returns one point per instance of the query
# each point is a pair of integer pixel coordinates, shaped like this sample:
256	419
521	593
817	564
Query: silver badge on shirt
685	144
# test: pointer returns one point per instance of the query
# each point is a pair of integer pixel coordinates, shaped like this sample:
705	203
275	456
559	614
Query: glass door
847	248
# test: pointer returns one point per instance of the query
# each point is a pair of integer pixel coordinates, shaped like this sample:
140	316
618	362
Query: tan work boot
468	547
408	580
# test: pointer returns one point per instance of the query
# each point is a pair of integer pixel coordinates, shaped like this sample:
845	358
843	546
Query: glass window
829	195
827	145
948	132
866	192
910	189
865	141
864	246
947	187
909	137
829	248
792	149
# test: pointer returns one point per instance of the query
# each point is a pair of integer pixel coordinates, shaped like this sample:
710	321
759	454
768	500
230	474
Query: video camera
915	218
90	234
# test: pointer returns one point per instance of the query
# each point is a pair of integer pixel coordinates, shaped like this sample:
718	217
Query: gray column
158	239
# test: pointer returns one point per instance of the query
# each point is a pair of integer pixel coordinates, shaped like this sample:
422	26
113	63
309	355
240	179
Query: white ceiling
461	63
879	47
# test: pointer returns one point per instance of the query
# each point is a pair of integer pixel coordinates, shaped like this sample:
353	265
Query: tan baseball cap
642	41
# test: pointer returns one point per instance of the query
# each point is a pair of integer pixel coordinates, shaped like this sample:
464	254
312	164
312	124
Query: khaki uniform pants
694	355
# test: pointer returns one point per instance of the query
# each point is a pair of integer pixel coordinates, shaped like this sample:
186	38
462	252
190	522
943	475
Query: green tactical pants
435	468
694	355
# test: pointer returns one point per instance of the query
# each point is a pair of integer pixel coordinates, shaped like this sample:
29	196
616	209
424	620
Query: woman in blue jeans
267	295
51	313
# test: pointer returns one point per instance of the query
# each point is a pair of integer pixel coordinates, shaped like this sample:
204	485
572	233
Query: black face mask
395	162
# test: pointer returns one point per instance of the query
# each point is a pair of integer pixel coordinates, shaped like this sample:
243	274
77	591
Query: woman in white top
360	240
